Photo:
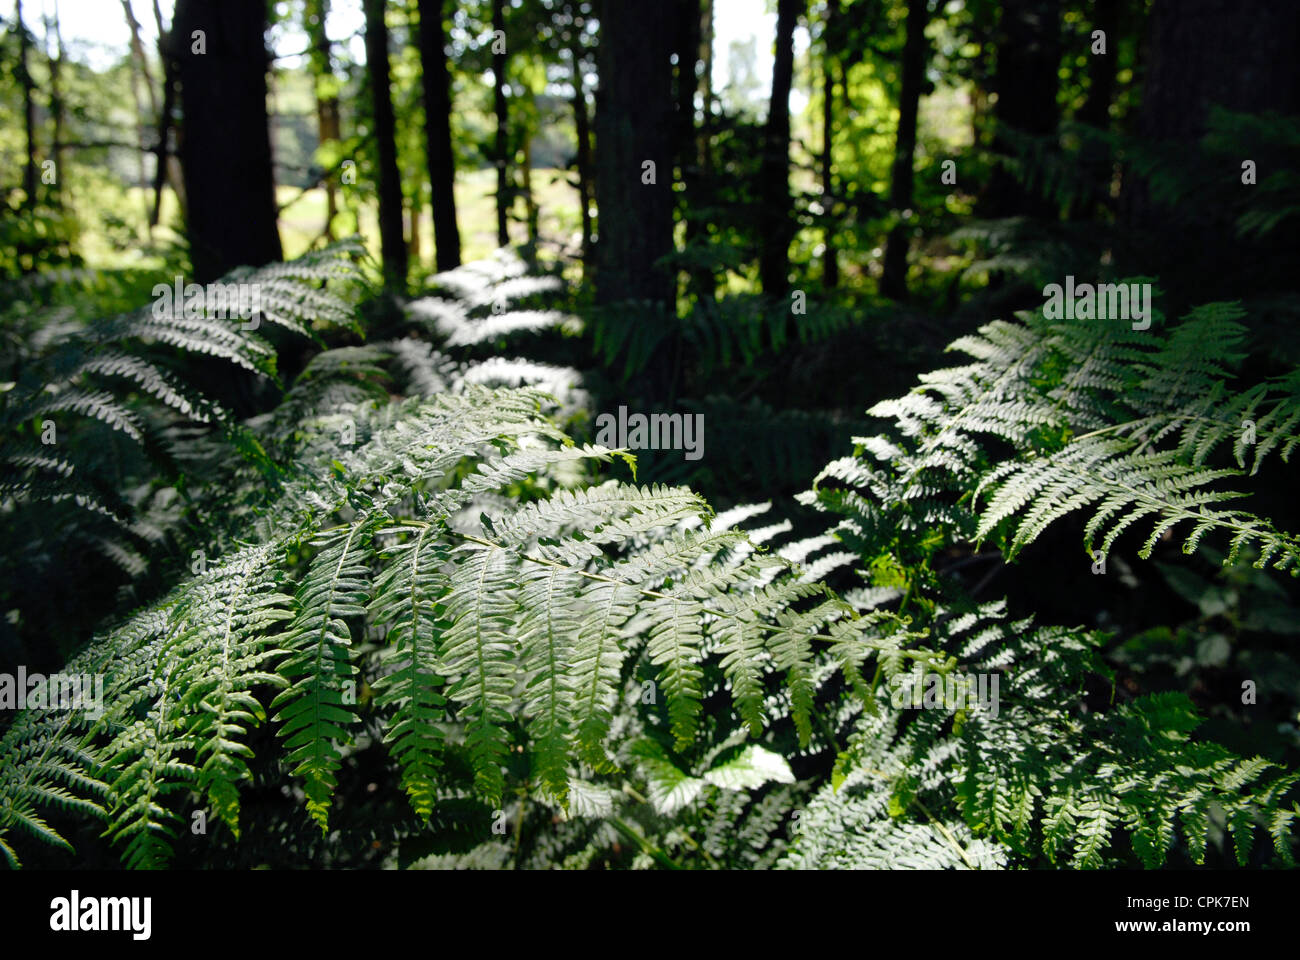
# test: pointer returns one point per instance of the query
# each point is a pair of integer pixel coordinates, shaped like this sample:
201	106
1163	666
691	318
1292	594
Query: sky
95	31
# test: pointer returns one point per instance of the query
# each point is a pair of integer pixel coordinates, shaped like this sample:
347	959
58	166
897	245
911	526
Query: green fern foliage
502	624
1099	418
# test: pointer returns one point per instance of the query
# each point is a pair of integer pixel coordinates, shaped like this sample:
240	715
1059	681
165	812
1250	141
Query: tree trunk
57	108
830	258
774	170
531	213
1094	156
225	142
327	102
411	218
162	153
391	240
168	163
140	73
29	107
706	80
634	106
1238	54
504	198
687	47
436	79
687	147
893	281
582	122
1025	80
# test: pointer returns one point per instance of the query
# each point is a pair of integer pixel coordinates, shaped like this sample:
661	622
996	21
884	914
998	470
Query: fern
491	634
625	677
1099	418
1052	419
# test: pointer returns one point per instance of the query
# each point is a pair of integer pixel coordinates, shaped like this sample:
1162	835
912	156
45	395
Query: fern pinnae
143	757
312	711
675	637
227	613
479	657
550	622
409	596
597	663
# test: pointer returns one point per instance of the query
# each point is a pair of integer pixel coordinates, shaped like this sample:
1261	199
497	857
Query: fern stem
636	794
519	821
938	825
625	828
916	801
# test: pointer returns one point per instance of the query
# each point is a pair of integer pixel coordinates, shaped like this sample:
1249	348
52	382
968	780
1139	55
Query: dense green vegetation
973	564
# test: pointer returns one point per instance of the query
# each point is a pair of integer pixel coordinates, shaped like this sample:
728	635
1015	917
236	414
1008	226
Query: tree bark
1238	54
1244	59
830	258
582	122
774	169
893	281
436	80
57	106
169	164
1026	81
140	73
1094	155
225	142
687	46
531	213
328	127
29	107
504	198
633	128
391	240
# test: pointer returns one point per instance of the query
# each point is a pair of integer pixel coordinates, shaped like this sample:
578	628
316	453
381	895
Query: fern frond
314	709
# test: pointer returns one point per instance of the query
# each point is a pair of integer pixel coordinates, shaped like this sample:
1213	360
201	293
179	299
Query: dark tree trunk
774	170
634	126
706	89
893	281
436	77
704	280
140	73
1257	37
57	108
29	107
225	143
504	197
706	75
327	103
413	204
391	241
582	123
830	258
686	44
168	163
1094	158
1238	54
162	152
1025	80
531	212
